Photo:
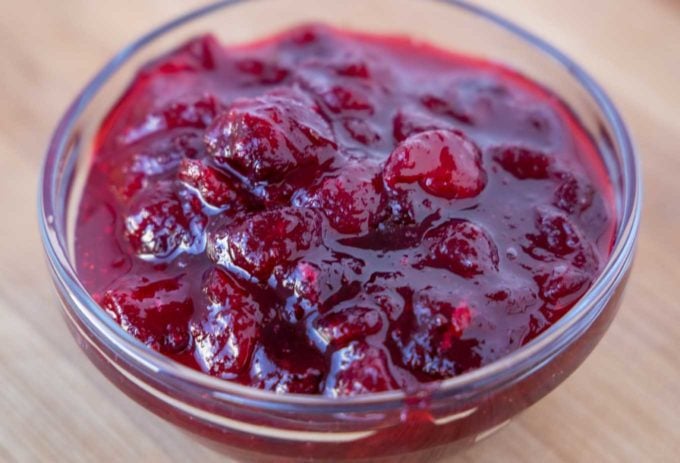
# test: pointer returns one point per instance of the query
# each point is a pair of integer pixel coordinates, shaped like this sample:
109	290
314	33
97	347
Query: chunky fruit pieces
265	137
351	323
462	247
160	222
339	214
352	200
154	311
444	163
259	242
522	162
216	188
156	157
227	333
428	341
357	369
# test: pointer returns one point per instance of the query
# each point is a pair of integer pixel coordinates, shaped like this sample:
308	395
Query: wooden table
623	404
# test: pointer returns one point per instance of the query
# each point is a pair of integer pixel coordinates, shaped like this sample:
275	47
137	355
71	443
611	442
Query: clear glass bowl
256	425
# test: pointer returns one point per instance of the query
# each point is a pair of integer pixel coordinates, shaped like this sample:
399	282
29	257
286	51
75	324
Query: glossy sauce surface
335	213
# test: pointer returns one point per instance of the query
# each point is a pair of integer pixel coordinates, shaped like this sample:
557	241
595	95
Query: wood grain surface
622	405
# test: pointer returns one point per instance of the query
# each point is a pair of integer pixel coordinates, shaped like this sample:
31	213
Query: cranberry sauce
332	213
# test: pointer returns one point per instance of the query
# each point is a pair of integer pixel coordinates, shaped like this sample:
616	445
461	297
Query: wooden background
622	405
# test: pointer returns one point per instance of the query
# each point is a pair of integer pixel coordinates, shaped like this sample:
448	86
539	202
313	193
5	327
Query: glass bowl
256	425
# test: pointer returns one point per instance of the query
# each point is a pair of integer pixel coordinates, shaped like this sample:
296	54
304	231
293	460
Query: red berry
574	195
349	67
428	342
161	221
198	113
156	312
442	162
188	112
265	137
282	374
134	168
389	300
357	369
351	200
259	242
523	163
361	131
222	290
225	340
216	189
347	99
561	282
322	278
348	214
461	247
348	324
226	333
305	280
343	86
555	233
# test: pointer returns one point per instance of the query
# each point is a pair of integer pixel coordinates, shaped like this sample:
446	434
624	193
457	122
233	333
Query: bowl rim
498	372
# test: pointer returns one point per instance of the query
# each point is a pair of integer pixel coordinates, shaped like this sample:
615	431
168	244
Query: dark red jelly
328	212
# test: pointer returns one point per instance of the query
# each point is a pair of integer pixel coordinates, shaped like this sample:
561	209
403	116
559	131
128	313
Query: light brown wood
622	405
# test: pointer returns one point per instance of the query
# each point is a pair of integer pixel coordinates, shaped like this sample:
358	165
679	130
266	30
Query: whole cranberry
428	341
348	99
133	168
217	189
357	369
266	137
258	242
574	195
523	162
351	199
322	278
361	130
562	281
555	233
462	247
162	220
188	112
343	87
283	374
226	333
348	324
155	311
444	163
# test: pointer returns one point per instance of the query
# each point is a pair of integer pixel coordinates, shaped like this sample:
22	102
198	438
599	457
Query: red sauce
335	213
